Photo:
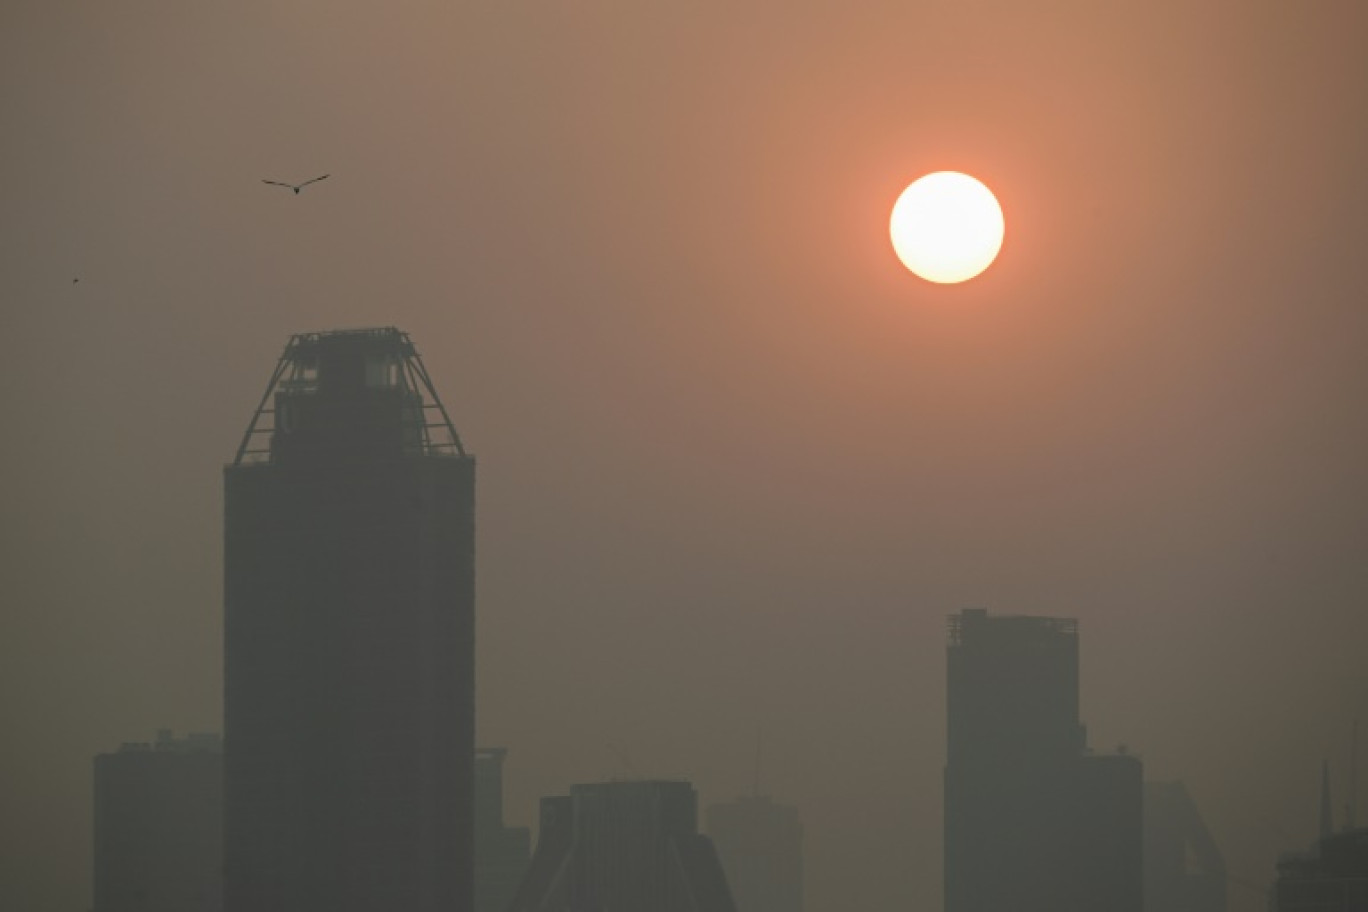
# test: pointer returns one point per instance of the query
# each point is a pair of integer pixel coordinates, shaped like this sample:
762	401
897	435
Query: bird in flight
295	187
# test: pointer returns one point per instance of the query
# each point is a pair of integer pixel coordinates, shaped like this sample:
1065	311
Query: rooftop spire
1350	822
1327	823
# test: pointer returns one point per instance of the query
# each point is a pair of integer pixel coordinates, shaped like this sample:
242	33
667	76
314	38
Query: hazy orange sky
736	464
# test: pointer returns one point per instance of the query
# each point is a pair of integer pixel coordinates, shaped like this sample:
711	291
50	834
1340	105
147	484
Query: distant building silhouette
631	846
158	843
1032	822
760	844
1184	870
349	540
1333	877
501	853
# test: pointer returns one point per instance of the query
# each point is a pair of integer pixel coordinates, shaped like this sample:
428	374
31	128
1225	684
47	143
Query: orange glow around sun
946	227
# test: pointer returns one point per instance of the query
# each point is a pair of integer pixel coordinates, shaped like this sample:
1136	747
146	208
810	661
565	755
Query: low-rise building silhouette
158	834
1333	877
624	846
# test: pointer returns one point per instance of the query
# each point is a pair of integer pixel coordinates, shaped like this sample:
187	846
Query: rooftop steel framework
388	350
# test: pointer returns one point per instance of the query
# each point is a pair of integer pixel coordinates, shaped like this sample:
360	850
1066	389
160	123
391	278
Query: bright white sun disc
946	227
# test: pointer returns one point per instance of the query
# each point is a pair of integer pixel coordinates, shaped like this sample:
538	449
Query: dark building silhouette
760	845
631	846
1333	877
158	843
349	638
1184	870
1033	823
502	853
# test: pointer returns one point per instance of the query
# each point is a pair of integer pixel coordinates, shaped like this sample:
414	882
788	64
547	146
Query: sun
946	227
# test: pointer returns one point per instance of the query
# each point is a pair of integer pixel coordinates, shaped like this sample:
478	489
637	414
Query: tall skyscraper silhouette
158	831
349	638
1032	822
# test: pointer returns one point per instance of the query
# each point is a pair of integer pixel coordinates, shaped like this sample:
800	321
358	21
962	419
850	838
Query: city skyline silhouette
736	463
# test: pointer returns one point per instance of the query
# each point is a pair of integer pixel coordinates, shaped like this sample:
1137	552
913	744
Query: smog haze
736	465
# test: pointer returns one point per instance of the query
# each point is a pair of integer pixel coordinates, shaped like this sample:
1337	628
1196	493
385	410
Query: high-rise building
760	844
624	845
349	638
158	831
1184	870
502	852
1032	821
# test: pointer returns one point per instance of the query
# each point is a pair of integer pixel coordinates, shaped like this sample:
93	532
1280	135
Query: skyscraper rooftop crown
349	392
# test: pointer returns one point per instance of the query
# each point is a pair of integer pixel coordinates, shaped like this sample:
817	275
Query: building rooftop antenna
626	763
1327	823
1353	775
755	786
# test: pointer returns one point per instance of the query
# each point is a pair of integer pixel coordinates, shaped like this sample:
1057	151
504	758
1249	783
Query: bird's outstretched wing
313	180
278	183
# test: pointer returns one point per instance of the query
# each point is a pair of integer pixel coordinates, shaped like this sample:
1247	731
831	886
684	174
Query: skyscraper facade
349	638
1032	821
760	844
158	834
